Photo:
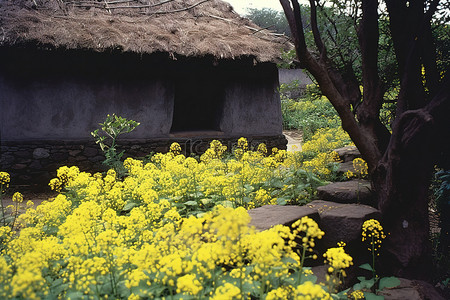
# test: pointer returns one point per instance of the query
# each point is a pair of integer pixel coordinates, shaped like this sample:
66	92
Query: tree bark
402	179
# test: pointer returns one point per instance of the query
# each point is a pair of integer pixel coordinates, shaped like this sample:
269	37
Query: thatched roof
179	27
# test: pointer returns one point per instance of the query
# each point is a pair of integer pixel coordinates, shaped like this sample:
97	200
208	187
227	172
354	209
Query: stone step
267	216
353	191
348	153
340	222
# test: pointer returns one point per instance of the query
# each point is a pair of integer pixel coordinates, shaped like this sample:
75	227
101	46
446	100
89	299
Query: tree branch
332	85
368	35
296	26
315	30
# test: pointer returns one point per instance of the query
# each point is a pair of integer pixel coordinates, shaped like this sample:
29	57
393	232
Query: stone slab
353	191
342	222
411	290
267	216
348	153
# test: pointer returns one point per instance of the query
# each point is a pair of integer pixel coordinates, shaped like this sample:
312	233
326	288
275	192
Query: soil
28	194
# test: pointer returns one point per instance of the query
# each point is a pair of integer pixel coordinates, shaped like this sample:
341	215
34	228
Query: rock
40	153
342	222
267	216
90	152
80	158
346	166
348	153
97	158
19	166
35	165
74	152
427	291
60	157
321	273
23	154
6	159
411	290
353	191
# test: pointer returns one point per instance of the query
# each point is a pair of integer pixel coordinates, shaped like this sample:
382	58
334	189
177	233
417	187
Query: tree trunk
402	180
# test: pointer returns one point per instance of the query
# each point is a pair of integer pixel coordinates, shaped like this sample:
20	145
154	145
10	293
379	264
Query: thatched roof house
184	69
188	27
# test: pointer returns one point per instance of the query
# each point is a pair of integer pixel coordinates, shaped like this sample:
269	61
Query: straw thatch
178	27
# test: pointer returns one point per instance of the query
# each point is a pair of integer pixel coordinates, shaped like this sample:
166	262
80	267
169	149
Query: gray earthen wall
50	102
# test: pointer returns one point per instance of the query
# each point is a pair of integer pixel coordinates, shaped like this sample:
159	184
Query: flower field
174	227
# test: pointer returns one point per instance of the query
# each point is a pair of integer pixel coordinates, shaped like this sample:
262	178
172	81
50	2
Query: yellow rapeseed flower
4	178
372	232
17	197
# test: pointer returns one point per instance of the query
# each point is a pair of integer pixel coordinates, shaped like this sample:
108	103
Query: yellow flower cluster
175	148
372	232
64	175
94	251
360	167
337	259
325	140
17	197
309	230
309	290
356	295
249	179
4	180
322	164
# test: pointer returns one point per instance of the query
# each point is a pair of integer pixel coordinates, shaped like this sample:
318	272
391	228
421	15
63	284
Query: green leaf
206	201
129	206
364	284
341	295
371	296
361	278
366	267
281	201
389	282
191	203
74	295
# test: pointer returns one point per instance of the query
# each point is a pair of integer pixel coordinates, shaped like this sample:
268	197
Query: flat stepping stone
411	290
342	222
346	166
353	191
348	153
267	216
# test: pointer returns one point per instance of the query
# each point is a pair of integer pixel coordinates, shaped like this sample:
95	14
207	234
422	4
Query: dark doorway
198	105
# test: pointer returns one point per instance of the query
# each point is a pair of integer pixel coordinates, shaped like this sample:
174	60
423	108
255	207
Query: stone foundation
35	162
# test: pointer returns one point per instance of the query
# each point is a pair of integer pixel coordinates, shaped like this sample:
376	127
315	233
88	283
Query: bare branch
296	25
315	30
368	35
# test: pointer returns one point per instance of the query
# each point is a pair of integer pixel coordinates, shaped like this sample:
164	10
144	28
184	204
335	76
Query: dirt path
36	197
295	138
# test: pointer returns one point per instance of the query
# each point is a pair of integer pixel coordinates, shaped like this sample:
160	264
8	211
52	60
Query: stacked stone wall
35	162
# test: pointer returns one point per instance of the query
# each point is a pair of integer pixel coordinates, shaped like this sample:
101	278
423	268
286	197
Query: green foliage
309	113
113	127
8	214
288	58
270	19
367	285
441	240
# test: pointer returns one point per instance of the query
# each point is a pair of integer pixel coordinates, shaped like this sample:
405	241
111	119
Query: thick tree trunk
402	181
